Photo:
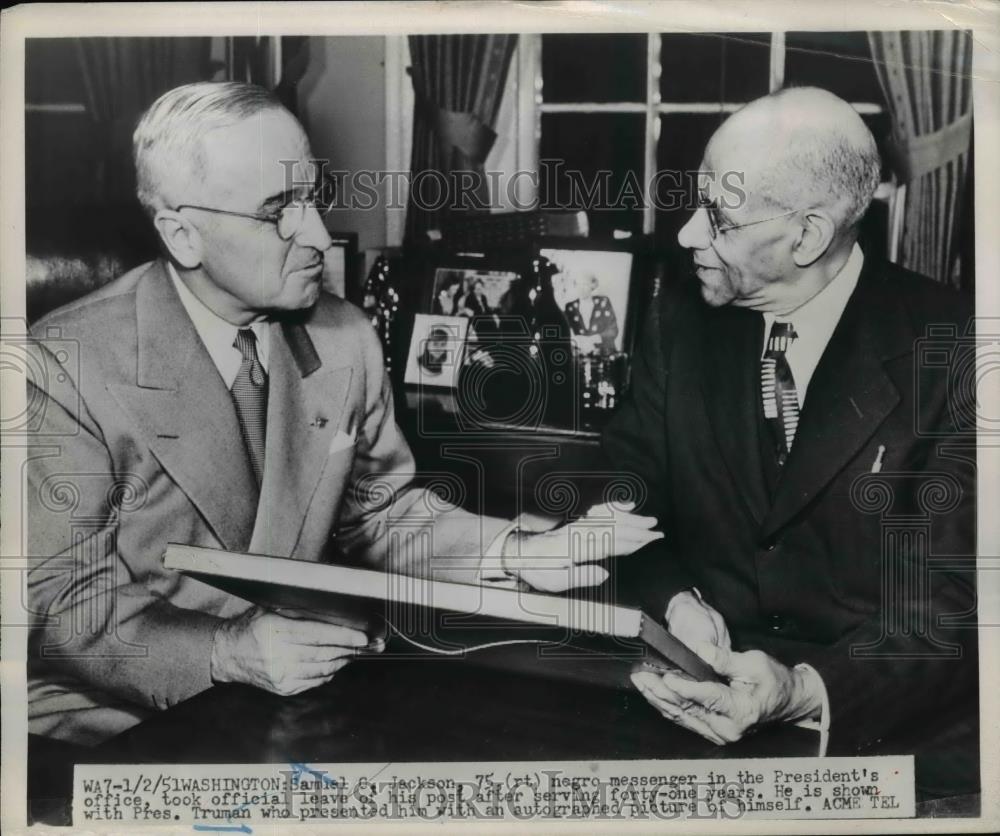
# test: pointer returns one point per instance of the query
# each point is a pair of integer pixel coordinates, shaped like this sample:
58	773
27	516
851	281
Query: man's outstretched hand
563	558
760	689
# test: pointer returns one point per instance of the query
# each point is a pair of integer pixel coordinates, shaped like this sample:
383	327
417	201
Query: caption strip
232	798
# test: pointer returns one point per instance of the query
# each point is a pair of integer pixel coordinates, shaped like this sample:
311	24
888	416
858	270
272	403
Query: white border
467	17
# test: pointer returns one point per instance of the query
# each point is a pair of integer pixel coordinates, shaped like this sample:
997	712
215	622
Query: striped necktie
781	401
249	393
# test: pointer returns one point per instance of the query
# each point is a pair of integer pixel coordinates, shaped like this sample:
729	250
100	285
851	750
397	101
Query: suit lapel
731	349
182	406
849	396
305	406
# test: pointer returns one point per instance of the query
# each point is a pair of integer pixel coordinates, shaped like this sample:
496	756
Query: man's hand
693	622
761	690
281	654
557	560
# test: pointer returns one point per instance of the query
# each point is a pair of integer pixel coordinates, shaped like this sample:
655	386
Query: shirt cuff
822	725
491	569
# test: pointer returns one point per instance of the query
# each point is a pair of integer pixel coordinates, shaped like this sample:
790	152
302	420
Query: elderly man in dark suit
221	399
789	437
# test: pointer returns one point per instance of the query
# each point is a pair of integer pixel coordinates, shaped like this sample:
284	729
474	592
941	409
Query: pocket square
342	441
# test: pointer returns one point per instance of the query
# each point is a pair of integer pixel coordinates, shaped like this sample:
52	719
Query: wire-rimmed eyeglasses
289	218
716	229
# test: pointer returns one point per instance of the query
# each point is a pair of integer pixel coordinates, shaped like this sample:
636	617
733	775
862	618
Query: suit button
777	623
769	544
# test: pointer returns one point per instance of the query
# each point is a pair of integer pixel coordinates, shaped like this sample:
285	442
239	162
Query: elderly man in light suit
221	399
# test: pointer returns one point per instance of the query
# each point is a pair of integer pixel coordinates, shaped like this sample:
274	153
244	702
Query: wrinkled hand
693	622
760	690
282	654
557	560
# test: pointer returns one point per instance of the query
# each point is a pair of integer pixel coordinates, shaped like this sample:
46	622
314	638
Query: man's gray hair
166	145
829	157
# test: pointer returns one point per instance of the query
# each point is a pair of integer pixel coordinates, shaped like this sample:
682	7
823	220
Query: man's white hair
828	155
166	146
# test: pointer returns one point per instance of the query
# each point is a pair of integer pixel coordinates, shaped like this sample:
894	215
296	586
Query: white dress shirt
218	335
815	321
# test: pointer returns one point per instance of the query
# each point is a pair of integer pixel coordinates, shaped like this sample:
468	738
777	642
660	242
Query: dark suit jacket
603	321
867	577
137	445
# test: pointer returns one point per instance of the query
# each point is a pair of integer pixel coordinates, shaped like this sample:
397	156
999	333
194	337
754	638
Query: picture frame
472	284
612	273
437	350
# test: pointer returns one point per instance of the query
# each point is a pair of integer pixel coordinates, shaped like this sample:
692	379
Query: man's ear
816	235
181	239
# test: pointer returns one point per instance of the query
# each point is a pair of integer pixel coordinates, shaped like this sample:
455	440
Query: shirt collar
218	335
819	316
815	321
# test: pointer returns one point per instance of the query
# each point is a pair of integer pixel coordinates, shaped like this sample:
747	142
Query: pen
877	464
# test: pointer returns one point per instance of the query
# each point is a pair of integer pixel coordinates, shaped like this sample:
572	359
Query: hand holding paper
281	654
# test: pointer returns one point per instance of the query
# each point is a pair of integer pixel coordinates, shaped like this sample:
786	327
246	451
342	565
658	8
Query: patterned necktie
781	401
250	396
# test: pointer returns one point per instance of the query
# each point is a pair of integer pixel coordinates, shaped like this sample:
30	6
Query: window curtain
926	78
122	77
458	82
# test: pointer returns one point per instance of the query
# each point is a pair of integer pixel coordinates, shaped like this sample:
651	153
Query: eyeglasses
716	229
290	217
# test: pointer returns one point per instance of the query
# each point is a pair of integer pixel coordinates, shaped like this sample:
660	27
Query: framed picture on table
437	350
472	286
595	285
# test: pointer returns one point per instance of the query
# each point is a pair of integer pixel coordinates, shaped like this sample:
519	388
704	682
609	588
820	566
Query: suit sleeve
91	611
635	443
386	520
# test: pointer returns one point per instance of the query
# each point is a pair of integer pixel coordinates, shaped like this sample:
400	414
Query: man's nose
695	234
312	233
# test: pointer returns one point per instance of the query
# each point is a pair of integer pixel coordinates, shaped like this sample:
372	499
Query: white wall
342	105
356	125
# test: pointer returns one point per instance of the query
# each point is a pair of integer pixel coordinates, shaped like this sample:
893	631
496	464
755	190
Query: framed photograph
469	290
593	287
437	349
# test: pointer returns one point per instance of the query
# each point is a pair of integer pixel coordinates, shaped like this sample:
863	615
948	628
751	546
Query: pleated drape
458	83
926	78
122	77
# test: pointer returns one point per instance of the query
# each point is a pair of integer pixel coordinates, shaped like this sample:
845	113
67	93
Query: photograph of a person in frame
474	302
435	354
446	297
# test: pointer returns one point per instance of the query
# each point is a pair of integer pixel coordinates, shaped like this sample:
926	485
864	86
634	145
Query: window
621	103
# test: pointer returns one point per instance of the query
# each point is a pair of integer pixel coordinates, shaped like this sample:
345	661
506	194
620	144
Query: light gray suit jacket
136	445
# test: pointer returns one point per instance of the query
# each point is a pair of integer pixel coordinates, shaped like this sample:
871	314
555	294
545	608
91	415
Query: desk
409	709
504	469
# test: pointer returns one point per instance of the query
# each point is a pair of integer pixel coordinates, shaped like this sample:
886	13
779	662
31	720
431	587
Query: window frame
534	107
